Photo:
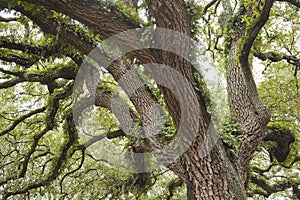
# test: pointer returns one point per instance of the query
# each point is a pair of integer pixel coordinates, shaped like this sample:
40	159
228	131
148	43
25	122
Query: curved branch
277	57
254	31
71	132
283	138
52	111
67	32
117	68
261	171
21	119
102	22
18	59
83	148
68	72
210	4
271	189
44	51
10	72
172	186
10	83
112	135
101	17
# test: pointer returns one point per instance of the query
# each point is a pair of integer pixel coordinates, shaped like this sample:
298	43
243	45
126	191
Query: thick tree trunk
252	115
208	177
245	103
212	177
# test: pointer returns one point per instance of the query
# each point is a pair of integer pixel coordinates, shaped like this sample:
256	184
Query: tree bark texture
212	176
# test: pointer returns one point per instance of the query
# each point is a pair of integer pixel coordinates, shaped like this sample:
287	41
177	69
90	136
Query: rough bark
200	171
212	176
244	109
245	103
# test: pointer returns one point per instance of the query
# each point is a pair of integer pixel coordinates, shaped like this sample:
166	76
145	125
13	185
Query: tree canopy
62	119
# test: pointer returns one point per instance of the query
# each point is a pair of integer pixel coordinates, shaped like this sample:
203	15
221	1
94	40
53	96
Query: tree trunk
245	103
210	176
213	177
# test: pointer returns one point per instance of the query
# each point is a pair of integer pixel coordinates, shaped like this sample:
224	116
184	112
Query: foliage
230	136
46	154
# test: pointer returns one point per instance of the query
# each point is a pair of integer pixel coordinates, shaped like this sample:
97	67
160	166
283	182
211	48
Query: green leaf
12	4
49	14
28	6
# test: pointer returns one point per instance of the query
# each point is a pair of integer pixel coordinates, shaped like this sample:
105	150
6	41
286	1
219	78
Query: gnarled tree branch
277	57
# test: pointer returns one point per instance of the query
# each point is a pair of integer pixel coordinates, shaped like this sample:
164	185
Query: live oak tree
43	44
